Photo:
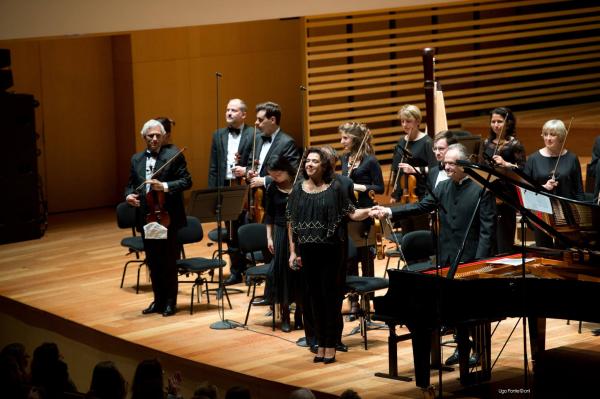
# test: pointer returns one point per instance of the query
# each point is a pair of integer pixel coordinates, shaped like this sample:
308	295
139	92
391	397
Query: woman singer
503	149
317	211
556	169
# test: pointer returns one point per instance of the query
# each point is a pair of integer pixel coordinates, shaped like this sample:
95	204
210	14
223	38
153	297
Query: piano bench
363	286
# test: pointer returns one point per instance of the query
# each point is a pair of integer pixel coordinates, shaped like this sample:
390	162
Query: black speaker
23	216
6	79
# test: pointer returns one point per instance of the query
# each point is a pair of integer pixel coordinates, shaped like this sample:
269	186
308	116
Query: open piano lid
574	223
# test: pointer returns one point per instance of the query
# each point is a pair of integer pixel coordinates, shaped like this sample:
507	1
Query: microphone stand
222	324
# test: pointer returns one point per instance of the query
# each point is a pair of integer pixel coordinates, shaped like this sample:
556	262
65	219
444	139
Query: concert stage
64	288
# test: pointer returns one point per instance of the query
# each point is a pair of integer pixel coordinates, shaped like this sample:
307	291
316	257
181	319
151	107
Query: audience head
237	392
206	390
17	352
302	393
107	382
502	120
349	394
148	380
49	372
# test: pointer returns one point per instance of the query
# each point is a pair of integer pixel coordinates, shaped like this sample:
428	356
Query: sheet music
510	261
534	201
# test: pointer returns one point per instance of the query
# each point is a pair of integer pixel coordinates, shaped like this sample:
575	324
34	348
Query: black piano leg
393	340
421	343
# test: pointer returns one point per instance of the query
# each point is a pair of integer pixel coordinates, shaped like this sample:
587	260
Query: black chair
364	288
418	250
253	244
126	219
190	234
396	252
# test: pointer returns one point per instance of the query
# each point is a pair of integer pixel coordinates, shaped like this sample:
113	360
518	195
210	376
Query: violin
155	200
408	183
237	180
379	232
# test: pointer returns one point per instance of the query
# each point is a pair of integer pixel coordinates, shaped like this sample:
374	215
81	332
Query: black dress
506	217
568	175
285	280
318	224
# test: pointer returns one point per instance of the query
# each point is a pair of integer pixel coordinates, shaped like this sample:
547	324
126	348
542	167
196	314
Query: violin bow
498	146
562	148
401	161
360	149
157	172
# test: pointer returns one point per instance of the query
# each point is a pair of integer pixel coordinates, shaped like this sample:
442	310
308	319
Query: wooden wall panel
79	122
522	54
174	74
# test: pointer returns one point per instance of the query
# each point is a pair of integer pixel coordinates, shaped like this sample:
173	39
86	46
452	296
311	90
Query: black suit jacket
219	145
175	175
282	145
459	200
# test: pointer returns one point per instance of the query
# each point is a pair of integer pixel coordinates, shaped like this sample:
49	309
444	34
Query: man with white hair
161	252
458	195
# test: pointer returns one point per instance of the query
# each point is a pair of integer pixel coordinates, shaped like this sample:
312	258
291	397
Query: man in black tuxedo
270	143
233	145
161	254
230	152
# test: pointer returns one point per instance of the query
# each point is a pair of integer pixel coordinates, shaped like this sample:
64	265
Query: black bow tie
233	130
266	139
151	154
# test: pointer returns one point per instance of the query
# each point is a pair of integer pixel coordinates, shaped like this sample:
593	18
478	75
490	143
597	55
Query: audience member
349	394
49	373
238	392
12	380
206	391
148	381
302	393
107	382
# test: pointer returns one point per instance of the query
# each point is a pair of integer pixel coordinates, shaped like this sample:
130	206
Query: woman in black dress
367	177
420	146
503	149
317	211
566	180
284	289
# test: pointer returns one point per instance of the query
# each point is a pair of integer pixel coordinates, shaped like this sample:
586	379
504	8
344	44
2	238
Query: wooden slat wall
522	54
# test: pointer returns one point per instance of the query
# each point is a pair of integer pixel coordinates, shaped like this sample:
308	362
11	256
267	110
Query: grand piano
558	284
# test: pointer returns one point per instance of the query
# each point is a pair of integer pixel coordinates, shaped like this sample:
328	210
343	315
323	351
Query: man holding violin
157	180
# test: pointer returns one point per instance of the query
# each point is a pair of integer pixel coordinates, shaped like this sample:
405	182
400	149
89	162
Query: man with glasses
459	196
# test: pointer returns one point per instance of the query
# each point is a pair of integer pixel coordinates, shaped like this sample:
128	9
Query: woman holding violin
360	165
159	199
555	168
502	149
407	188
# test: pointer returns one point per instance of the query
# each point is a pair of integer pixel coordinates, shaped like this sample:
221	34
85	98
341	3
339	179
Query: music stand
206	205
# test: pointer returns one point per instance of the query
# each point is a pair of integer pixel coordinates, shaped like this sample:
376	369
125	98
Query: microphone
302	88
219	74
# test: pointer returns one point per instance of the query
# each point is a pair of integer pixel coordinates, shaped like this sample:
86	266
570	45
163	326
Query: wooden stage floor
71	277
